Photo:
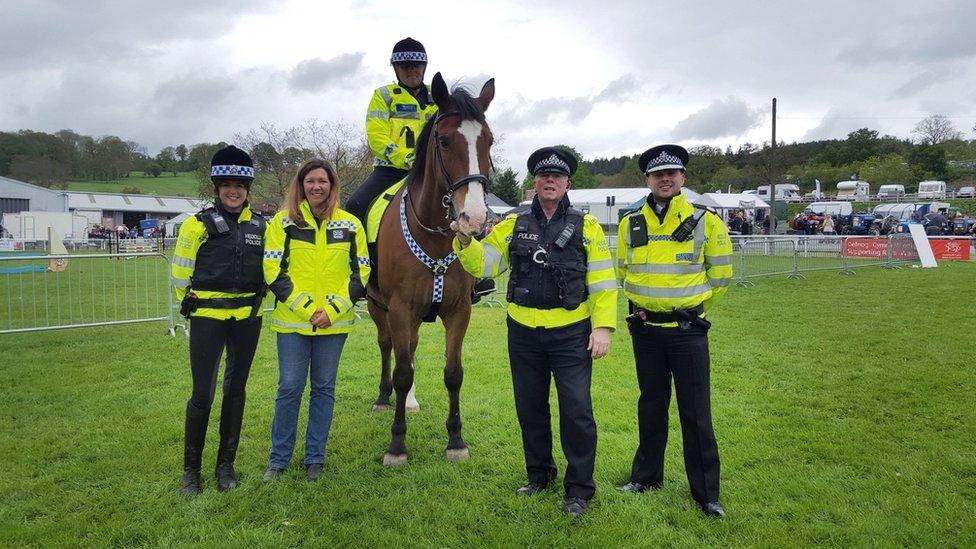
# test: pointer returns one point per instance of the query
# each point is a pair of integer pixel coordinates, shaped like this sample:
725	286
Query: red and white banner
949	249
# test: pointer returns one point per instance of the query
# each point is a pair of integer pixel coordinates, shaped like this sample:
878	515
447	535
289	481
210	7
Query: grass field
182	184
839	401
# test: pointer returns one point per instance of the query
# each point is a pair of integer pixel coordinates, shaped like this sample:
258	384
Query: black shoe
313	471
190	485
272	473
226	478
637	488
575	507
713	509
531	488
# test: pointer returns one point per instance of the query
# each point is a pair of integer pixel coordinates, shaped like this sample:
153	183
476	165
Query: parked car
966	192
890	191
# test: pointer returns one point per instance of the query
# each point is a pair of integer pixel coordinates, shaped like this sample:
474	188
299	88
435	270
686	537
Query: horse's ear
487	94
442	97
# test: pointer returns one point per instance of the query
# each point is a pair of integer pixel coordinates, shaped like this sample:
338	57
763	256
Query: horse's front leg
404	331
455	326
386	346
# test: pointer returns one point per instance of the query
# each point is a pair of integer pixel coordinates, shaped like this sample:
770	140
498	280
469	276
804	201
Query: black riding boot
482	286
195	433
231	417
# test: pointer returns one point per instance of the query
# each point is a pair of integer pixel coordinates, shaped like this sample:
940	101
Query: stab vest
543	274
231	259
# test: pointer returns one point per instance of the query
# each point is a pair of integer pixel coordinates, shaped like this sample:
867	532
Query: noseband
449	185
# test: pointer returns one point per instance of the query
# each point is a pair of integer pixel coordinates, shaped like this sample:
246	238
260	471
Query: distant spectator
828	225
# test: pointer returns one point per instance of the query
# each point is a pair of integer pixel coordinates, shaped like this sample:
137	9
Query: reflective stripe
699	238
346	323
295	301
330	298
718	282
386	96
180	283
716	260
600	286
493	259
602	265
299	325
183	261
649	291
378	114
665	268
407	115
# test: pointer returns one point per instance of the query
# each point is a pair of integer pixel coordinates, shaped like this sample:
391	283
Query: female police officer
217	276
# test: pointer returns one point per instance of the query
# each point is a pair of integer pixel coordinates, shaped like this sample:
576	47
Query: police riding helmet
231	163
408	50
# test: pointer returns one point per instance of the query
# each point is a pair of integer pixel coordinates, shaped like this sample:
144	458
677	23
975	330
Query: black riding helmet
231	163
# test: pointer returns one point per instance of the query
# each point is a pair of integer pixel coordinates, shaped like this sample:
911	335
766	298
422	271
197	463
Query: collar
244	215
676	204
560	208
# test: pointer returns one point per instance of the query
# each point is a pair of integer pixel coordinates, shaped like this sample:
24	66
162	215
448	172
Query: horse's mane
464	104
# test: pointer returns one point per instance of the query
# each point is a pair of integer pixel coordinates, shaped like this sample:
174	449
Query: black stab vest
559	279
230	261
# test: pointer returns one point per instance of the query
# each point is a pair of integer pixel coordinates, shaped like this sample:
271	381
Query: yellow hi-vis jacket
192	235
663	274
489	258
394	120
321	267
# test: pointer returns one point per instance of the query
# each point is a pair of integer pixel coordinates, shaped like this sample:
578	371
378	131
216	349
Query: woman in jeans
316	263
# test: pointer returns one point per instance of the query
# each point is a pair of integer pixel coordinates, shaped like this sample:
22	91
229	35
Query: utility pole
772	177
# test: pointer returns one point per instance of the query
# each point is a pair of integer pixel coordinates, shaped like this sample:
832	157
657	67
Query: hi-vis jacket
394	120
663	274
224	267
491	257
315	267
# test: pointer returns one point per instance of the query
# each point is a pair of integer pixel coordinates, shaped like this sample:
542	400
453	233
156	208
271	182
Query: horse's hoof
394	460
412	407
381	407
457	454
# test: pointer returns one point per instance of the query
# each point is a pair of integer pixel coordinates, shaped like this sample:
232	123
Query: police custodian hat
663	157
552	160
232	163
408	50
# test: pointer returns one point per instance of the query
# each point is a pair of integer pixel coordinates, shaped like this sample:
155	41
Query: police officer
676	261
218	278
395	116
562	297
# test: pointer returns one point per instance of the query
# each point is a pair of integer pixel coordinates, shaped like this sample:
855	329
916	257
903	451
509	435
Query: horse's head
458	152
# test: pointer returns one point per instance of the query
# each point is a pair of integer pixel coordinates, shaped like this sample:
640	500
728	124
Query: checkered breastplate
437	267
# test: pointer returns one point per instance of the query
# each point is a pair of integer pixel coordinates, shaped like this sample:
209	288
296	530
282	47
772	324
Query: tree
935	129
112	159
43	171
167	159
505	186
884	170
153	169
704	161
181	153
928	162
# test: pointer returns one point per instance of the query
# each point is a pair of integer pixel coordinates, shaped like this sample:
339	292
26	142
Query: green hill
182	184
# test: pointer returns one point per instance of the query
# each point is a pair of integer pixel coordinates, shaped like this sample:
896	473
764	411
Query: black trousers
382	177
208	339
663	353
536	355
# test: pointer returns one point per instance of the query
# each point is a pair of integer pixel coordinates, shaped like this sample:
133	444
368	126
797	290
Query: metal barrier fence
49	292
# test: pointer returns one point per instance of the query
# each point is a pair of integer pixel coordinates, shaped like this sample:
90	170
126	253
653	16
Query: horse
417	277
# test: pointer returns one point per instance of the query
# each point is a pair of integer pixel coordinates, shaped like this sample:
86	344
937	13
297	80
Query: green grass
182	184
842	406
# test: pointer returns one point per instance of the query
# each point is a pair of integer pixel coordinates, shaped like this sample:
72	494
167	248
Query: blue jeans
302	357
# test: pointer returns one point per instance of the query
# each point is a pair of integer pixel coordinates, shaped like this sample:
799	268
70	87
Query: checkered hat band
409	57
552	162
665	160
239	171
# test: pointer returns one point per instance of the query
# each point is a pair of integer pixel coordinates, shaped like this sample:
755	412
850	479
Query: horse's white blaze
474	200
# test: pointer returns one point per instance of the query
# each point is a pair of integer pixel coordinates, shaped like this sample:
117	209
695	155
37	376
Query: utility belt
191	303
684	317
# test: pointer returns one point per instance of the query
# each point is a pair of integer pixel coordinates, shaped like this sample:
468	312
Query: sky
608	78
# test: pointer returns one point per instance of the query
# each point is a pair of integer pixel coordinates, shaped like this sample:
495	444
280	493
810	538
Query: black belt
225	302
664	318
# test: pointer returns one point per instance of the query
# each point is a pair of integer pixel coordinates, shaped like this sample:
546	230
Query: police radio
220	223
687	226
565	235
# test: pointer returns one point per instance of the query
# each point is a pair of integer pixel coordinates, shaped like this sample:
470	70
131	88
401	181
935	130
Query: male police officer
676	261
562	298
395	116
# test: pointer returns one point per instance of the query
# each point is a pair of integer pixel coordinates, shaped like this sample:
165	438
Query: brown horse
417	277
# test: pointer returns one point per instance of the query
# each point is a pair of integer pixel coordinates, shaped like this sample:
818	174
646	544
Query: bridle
449	185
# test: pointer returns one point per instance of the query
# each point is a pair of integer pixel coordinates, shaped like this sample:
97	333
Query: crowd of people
674	260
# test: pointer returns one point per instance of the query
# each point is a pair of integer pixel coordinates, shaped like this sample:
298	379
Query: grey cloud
317	74
936	35
58	33
836	125
724	117
573	109
189	95
620	89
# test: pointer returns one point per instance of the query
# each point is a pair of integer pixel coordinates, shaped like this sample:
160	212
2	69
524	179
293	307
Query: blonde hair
296	190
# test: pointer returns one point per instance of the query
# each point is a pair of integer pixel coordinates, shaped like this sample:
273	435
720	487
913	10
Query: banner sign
903	249
8	245
955	249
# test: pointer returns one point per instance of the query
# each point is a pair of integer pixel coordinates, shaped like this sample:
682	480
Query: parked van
891	191
853	190
785	192
932	189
